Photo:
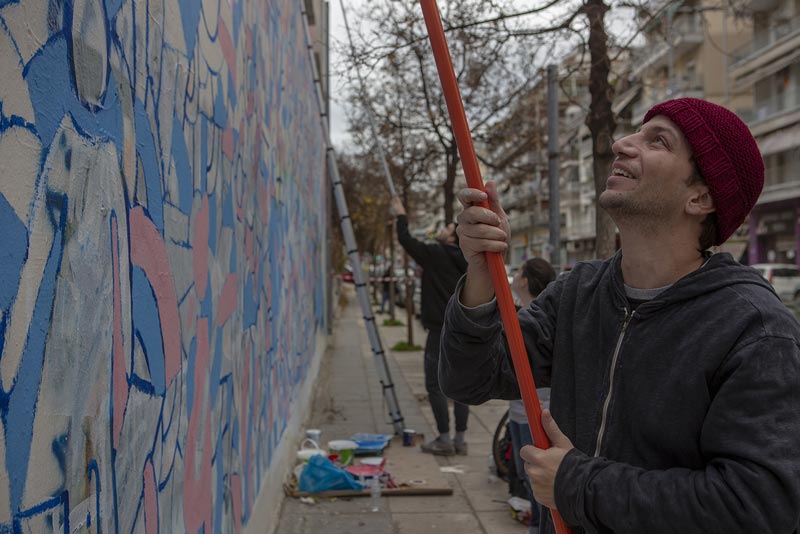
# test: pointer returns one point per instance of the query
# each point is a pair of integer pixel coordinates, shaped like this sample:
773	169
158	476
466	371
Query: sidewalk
349	400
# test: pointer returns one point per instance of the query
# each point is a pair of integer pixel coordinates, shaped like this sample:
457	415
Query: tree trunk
409	302
450	182
600	122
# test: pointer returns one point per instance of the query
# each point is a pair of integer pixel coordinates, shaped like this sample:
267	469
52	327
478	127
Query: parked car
784	277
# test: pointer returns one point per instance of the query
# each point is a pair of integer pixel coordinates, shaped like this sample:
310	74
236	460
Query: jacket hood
719	271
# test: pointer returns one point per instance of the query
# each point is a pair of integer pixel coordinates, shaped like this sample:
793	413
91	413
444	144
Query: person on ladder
442	265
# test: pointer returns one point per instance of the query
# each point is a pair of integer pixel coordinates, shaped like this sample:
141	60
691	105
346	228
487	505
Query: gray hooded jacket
685	413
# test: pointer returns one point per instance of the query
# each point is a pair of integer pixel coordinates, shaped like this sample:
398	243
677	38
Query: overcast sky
339	135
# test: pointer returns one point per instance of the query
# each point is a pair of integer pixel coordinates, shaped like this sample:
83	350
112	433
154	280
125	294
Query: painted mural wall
161	200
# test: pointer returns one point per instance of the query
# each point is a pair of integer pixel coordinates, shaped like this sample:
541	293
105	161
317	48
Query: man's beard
646	213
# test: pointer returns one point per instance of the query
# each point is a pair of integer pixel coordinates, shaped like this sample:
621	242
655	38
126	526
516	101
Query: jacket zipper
627	320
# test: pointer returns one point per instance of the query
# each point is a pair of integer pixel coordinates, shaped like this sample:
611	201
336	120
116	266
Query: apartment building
769	66
687	53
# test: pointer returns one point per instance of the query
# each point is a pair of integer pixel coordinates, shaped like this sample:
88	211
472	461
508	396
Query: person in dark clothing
674	372
442	265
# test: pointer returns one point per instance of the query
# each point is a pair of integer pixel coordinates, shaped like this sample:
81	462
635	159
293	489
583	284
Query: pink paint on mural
227	299
248	41
200	249
236	492
150	254
228	50
150	499
119	378
197	490
227	142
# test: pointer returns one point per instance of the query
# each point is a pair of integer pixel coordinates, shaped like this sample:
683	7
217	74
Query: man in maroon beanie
674	372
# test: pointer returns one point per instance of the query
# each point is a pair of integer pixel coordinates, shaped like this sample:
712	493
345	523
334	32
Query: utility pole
552	160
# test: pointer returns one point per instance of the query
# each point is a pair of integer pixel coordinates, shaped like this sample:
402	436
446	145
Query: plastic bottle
375	493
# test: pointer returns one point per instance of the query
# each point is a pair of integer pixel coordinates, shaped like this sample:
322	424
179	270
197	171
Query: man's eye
660	139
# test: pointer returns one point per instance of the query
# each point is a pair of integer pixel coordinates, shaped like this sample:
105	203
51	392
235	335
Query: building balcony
769	52
686	34
777	112
687	87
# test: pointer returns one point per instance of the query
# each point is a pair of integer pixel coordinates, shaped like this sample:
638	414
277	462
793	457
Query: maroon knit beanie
725	153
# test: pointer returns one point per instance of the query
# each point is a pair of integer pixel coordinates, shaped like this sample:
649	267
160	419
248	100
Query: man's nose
625	146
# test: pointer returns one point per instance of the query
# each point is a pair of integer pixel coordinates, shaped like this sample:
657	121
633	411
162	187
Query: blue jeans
521	436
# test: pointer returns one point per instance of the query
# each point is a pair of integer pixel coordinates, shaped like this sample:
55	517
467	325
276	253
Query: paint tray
370	444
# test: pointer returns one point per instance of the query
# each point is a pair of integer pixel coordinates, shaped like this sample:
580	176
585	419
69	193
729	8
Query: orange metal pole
502	290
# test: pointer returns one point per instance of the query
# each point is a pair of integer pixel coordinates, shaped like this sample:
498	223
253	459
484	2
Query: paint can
314	435
345	449
408	437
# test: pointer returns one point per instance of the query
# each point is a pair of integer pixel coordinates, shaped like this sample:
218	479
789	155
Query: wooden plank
396	492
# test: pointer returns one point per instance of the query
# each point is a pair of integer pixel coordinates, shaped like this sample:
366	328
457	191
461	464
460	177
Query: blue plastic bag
320	474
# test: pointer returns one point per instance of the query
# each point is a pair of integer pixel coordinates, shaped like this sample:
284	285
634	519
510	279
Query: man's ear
700	201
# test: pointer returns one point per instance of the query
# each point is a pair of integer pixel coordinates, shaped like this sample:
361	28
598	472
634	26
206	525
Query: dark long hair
538	273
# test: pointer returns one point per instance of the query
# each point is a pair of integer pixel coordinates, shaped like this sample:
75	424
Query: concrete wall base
268	503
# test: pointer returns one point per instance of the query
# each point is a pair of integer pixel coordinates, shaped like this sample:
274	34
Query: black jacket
442	266
702	406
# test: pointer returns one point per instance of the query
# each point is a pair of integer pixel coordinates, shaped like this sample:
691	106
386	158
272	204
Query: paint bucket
408	437
308	449
314	435
344	449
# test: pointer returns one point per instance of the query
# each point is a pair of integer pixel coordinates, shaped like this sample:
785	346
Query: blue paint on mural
220	110
148	159
12	253
53	96
183	169
18	413
190	16
147	328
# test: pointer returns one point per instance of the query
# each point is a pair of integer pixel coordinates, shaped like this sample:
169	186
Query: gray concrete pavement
349	400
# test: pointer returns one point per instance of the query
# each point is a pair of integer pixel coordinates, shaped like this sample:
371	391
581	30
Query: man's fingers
478	215
557	438
469	197
494	198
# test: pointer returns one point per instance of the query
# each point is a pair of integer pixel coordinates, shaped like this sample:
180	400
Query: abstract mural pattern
161	200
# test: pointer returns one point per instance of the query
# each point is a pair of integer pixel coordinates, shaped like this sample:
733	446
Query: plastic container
345	449
308	449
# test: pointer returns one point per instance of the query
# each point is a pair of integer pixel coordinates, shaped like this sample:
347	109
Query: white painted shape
81	515
118	67
27	22
173	30
89	50
40	236
20	151
13	89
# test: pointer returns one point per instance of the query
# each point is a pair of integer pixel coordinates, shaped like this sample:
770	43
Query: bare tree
493	70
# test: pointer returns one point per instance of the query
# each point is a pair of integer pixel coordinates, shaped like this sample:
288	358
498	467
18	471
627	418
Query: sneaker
460	447
438	447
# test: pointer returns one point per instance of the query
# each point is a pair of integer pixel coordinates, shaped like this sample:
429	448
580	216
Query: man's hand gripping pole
502	290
